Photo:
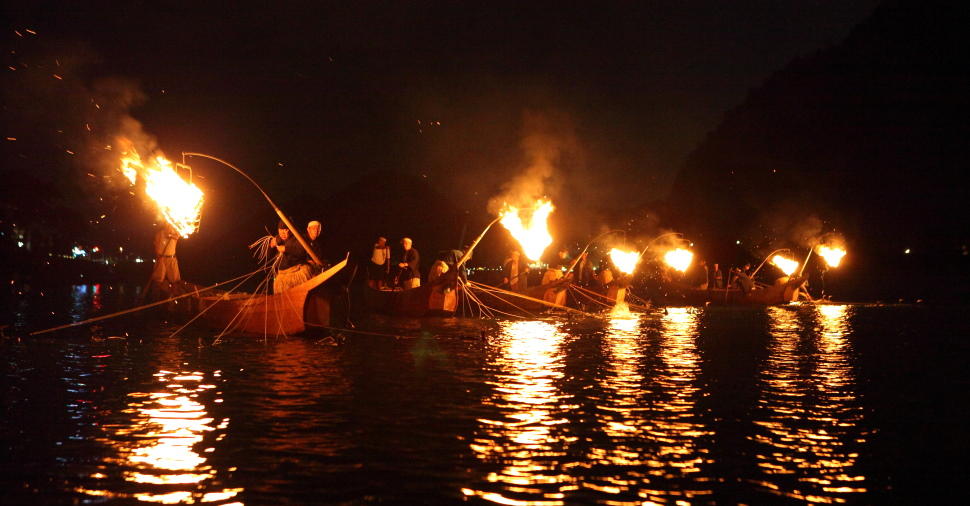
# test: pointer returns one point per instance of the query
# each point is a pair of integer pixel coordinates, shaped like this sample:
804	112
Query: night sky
312	96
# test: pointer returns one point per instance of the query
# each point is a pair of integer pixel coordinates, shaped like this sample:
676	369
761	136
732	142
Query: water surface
828	404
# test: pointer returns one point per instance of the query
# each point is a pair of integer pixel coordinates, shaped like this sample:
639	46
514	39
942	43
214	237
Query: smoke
548	141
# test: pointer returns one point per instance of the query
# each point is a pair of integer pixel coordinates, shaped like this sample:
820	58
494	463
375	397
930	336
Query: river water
827	404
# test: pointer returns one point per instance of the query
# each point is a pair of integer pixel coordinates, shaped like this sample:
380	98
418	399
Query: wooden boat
275	314
439	298
782	292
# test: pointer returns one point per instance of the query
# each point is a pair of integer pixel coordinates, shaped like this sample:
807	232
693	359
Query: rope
139	308
533	299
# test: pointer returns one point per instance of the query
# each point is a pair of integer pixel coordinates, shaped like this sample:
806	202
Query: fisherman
583	272
409	274
165	276
292	268
515	272
380	265
743	280
446	261
557	268
315	242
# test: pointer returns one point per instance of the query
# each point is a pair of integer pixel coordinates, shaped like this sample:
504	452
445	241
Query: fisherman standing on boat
380	265
515	272
292	268
165	276
315	242
409	275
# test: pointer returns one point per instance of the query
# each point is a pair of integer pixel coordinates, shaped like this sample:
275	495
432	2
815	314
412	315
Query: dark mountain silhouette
869	136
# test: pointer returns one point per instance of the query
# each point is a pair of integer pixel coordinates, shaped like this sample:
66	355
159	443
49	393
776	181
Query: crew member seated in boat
379	267
742	280
409	273
292	268
315	241
515	272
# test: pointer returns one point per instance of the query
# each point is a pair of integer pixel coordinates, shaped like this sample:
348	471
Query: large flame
786	265
679	259
625	261
832	255
533	233
179	201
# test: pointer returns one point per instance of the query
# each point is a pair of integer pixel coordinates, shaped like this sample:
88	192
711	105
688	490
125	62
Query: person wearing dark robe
292	268
409	273
515	272
583	272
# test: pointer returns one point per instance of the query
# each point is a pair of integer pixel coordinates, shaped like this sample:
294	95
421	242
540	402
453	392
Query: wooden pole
468	254
286	221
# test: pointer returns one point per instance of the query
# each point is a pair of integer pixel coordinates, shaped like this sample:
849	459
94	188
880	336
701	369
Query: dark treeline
869	137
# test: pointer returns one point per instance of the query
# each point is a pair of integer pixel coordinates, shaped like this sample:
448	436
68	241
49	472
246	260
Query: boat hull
438	299
781	293
279	314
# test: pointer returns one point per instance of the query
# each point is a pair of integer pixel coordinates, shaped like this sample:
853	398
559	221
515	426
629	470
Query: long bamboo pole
468	254
286	221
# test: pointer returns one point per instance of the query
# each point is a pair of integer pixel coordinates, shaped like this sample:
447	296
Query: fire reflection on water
808	426
682	438
529	444
156	451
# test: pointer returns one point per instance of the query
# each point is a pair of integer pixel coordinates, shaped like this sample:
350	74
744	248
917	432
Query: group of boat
320	301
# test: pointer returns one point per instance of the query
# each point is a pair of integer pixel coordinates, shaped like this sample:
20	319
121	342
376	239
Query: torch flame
832	255
533	234
179	201
625	261
679	259
786	265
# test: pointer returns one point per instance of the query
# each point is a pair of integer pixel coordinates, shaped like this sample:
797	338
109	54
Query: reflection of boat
279	313
782	292
436	298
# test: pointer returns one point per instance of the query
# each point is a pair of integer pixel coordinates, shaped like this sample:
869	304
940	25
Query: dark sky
332	90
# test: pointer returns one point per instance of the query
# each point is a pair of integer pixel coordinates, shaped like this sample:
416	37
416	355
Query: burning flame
533	235
179	201
786	265
832	256
625	261
679	259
